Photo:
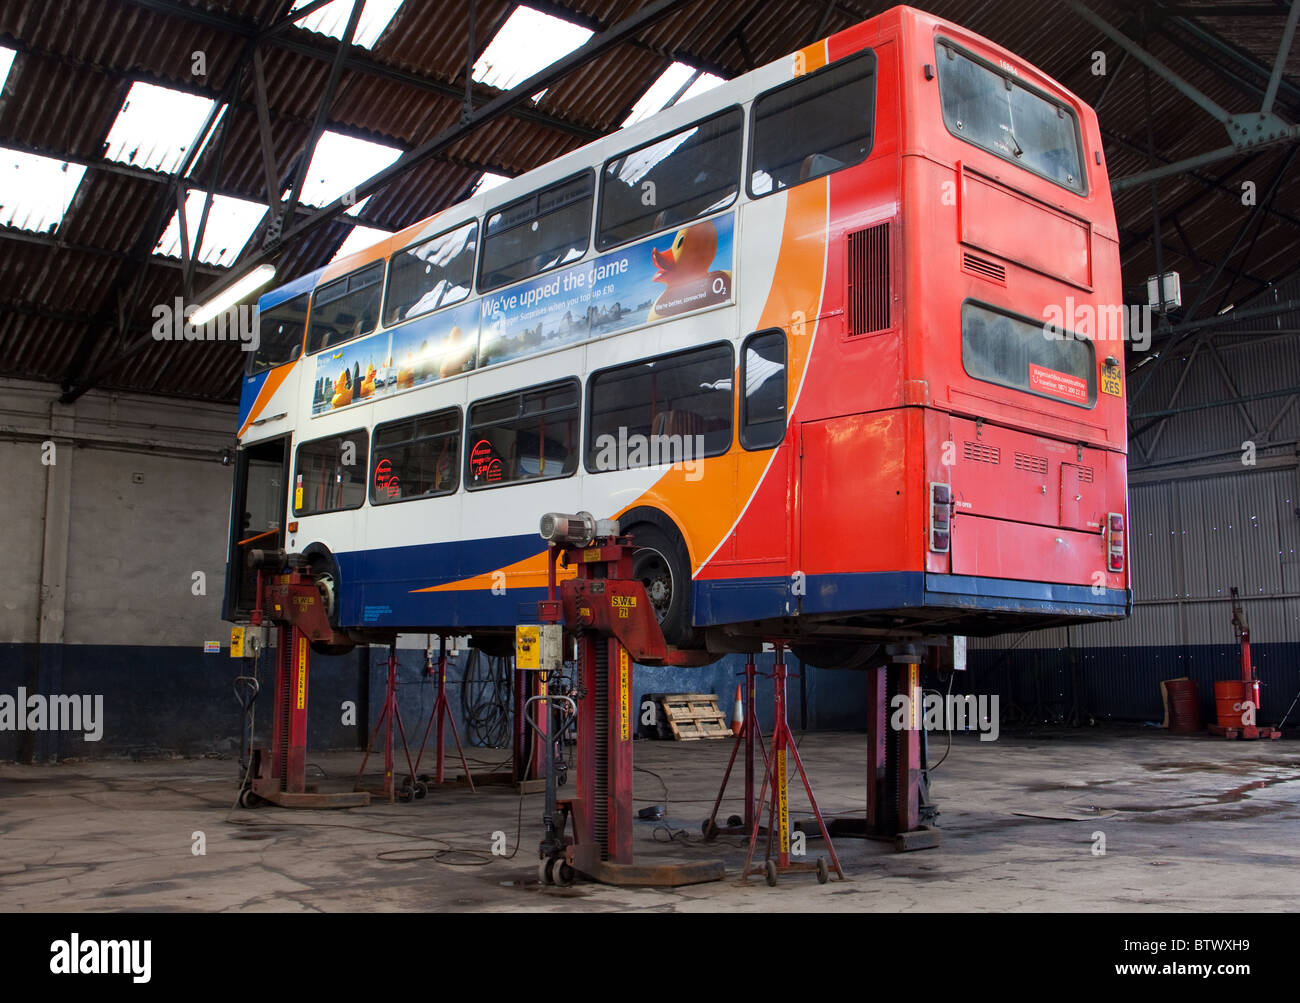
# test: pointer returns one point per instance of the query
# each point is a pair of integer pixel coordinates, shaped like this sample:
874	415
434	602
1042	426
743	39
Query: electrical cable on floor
947	703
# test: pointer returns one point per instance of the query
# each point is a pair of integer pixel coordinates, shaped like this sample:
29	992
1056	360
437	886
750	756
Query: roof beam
596	46
354	59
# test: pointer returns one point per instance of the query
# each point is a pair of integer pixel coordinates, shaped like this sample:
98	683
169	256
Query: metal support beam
1279	64
595	47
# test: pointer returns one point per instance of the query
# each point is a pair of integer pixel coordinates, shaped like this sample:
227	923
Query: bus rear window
279	334
995	111
346	308
1014	352
813	126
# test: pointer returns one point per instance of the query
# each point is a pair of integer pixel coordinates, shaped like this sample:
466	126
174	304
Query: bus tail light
940	517
1115	541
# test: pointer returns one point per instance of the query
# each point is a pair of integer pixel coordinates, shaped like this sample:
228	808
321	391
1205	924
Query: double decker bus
791	333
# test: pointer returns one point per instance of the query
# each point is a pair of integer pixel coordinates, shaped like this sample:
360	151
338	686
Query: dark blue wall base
1069	685
161	701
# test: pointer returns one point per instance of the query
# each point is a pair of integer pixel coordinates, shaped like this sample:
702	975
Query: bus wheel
662	565
836	655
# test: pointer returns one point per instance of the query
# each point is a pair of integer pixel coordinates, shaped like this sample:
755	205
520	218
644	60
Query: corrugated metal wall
1201	521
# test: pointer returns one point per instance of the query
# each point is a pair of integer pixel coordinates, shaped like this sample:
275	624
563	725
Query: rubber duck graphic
684	271
406	374
367	387
456	353
342	391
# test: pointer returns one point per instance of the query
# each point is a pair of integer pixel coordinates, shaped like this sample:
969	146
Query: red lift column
604	785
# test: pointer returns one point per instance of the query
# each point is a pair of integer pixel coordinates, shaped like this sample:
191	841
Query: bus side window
530	435
664	410
814	125
279	334
763	400
672	180
345	308
435	273
330	474
416	458
539	232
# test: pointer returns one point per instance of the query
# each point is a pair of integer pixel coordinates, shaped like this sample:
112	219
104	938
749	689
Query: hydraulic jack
750	735
292	602
611	624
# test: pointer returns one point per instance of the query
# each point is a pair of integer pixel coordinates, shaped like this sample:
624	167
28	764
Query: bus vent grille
1085	475
984	268
982	454
1034	464
868	274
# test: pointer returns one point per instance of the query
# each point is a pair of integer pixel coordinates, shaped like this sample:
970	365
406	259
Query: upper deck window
432	274
345	308
536	233
816	124
995	111
672	180
279	334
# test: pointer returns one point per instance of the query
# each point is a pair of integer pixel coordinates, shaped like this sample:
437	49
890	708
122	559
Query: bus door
257	513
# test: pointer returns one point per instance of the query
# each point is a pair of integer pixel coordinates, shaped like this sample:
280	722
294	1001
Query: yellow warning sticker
624	694
1111	382
302	673
783	805
236	642
297	499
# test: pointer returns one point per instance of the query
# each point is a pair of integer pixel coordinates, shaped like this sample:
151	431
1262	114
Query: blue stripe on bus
302	284
376	590
248	391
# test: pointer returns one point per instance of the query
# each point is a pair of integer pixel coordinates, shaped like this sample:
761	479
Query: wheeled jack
607	617
292	602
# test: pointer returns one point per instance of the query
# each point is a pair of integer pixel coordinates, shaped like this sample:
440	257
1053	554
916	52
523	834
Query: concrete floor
1201	824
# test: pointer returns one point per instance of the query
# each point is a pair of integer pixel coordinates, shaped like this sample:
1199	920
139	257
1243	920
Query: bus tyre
664	568
839	655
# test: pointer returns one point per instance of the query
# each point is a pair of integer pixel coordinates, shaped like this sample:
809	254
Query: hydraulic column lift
610	624
292	602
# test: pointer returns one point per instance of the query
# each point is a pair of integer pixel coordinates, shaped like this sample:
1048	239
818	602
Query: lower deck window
526	436
1015	352
667	410
416	458
331	473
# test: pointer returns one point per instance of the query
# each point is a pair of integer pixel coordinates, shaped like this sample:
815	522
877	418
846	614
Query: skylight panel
35	191
676	84
231	222
332	19
359	239
6	62
527	43
156	127
340	163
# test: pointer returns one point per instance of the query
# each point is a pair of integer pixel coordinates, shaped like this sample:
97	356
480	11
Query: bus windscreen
998	113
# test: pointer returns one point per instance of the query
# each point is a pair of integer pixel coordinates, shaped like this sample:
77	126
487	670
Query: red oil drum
1229	695
1184	706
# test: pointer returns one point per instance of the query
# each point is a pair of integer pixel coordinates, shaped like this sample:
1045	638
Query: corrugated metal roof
76	62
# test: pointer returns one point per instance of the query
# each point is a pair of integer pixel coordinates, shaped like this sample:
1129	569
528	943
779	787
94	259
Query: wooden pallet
692	716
